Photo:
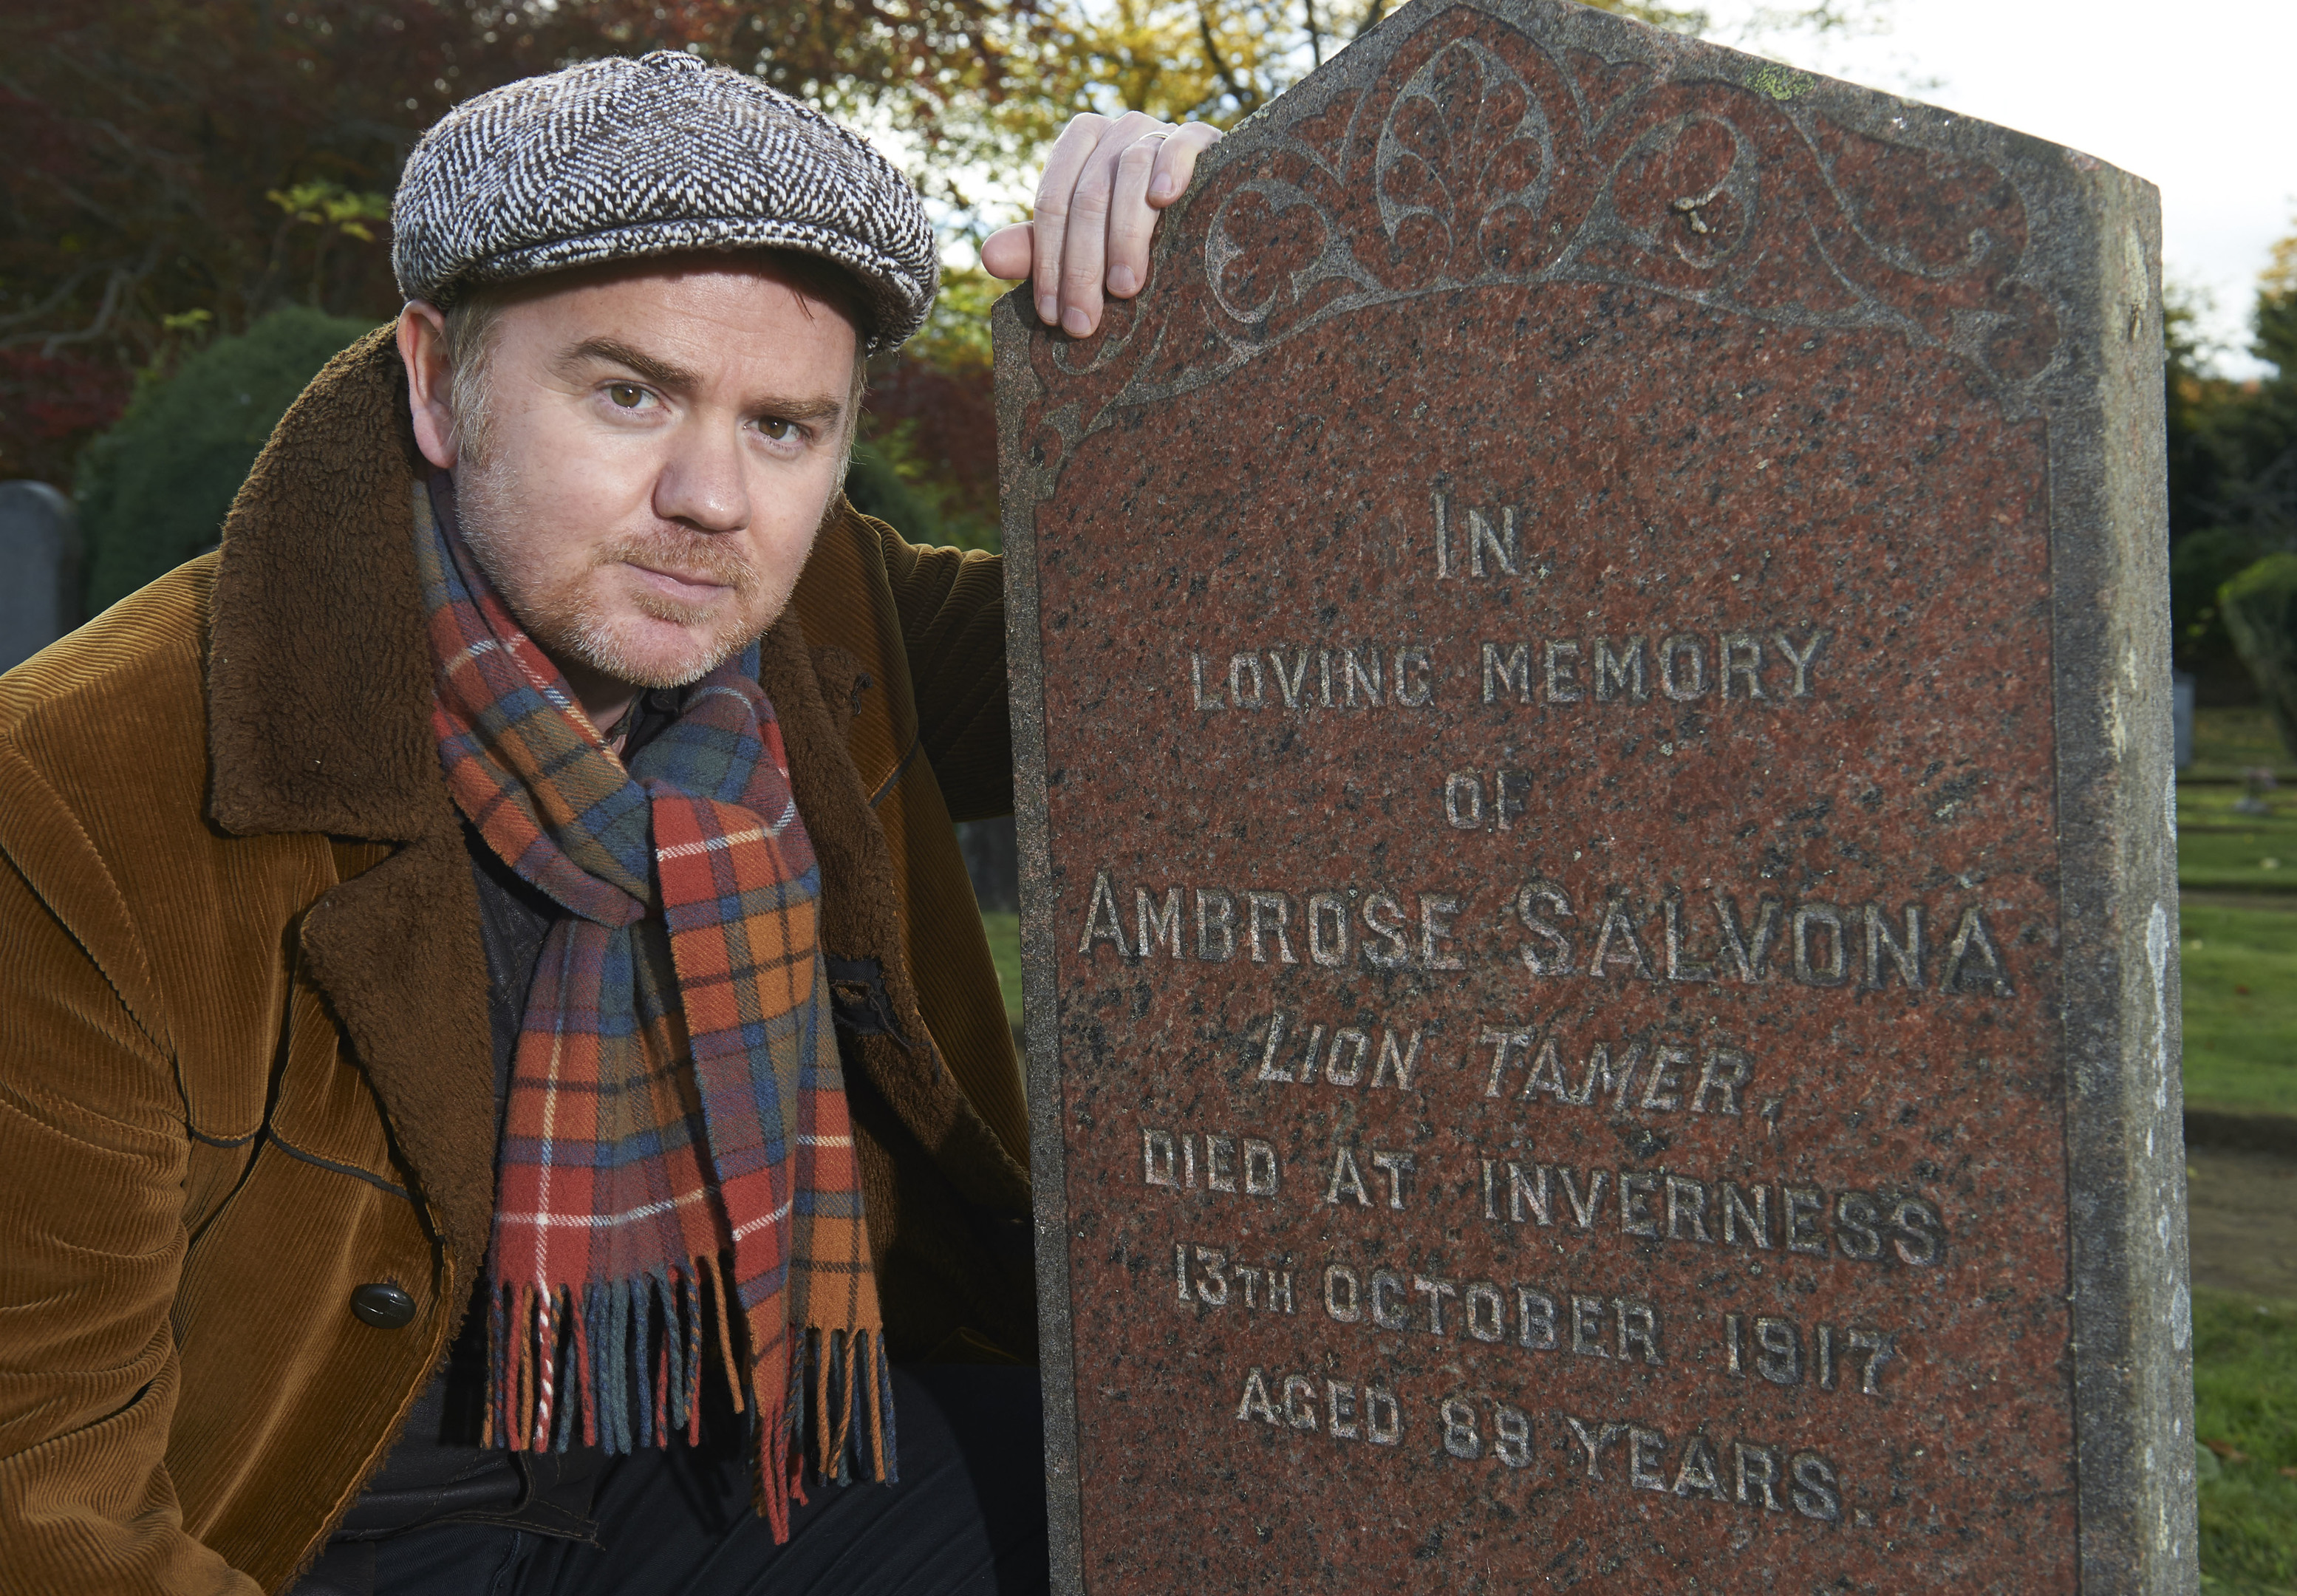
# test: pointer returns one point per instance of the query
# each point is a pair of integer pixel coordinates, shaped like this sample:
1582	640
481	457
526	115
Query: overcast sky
2194	97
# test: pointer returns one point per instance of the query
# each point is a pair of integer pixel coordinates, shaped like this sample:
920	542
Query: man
500	1075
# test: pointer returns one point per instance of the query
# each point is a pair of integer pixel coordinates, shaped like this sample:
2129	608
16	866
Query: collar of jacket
318	672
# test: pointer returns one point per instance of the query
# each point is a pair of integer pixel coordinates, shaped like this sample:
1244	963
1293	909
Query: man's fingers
1072	152
1085	251
1131	221
1085	247
1159	162
1006	252
1176	161
1096	213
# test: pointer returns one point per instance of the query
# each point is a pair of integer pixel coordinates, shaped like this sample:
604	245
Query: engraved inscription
1878	1227
1226	1161
1606	938
1750	665
1646	1074
1748	1473
1346	1410
1338	1056
1218	1278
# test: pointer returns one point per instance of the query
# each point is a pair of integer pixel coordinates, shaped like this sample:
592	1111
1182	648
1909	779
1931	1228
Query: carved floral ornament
1495	159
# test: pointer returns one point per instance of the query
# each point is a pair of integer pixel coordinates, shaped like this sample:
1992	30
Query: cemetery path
2241	1211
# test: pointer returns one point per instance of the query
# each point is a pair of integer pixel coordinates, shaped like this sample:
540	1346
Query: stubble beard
570	620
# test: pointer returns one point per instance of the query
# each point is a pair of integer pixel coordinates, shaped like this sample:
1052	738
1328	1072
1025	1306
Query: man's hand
1097	205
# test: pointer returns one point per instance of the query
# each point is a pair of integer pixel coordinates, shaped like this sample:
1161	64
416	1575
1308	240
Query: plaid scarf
677	1123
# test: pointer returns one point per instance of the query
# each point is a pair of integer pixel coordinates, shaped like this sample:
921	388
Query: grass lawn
2228	742
2245	1402
1005	947
2238	920
2238	879
2239	1000
2219	848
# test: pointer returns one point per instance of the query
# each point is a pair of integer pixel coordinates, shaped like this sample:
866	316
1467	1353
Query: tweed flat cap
617	159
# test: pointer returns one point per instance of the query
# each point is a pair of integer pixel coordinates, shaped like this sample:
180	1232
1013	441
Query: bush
875	485
2260	612
889	481
154	489
2200	563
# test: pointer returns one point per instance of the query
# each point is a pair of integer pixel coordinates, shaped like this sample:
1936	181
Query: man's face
660	447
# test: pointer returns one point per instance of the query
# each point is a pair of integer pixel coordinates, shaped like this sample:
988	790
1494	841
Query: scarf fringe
626	1371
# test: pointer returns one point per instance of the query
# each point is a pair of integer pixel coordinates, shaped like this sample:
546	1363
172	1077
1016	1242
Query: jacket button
383	1306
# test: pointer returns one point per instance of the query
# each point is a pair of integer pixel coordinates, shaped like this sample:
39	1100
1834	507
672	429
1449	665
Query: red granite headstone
1591	690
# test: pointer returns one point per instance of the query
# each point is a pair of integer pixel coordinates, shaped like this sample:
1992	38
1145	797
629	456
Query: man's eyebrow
664	374
798	409
660	372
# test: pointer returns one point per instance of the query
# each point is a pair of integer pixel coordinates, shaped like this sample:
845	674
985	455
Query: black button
383	1306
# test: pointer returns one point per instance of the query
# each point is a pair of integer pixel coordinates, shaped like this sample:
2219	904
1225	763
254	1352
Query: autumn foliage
179	168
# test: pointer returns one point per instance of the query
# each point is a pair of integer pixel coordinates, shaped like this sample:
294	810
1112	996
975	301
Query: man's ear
430	381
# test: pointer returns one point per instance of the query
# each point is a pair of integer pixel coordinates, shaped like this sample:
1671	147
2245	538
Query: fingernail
1049	309
1079	324
1165	188
1121	279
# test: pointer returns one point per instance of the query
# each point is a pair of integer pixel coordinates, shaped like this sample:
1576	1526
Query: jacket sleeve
93	1158
951	603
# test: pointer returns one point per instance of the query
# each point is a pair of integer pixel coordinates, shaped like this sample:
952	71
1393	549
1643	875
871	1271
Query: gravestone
39	570
1590	693
991	850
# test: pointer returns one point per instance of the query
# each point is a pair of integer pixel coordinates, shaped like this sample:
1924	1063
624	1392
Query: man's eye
628	395
778	430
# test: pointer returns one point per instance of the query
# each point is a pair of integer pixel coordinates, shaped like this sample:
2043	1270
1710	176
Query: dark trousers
967	1518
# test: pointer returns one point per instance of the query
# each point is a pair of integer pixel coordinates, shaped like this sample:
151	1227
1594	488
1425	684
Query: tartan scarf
676	1123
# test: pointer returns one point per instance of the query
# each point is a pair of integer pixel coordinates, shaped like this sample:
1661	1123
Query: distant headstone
1593	714
39	570
2181	710
992	859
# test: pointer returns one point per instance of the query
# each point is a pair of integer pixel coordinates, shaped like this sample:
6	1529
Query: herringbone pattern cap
615	158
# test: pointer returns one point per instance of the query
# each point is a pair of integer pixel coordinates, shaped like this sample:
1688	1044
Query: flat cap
618	159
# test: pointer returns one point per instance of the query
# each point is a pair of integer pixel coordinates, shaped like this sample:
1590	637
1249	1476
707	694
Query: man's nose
701	482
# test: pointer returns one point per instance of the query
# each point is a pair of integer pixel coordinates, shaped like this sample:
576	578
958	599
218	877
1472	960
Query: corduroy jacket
244	1062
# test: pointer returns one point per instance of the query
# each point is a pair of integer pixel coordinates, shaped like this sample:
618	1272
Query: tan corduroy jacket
244	1063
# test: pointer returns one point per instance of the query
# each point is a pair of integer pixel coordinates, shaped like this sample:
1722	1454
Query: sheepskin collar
319	674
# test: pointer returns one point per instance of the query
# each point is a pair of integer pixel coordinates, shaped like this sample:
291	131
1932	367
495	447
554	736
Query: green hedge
154	489
2261	611
2200	563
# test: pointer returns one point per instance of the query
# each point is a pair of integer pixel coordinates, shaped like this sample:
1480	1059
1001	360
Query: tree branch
114	291
1247	101
71	286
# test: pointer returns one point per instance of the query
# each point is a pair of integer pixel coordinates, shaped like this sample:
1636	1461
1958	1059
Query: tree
2263	426
1216	60
928	460
2233	475
2204	459
170	157
2261	611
